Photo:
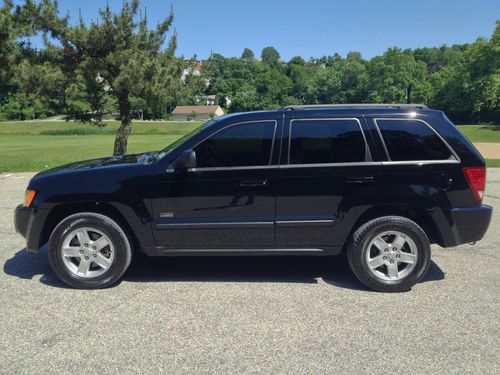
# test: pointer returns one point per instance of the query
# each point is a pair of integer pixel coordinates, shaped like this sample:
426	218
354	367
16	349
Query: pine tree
8	46
118	55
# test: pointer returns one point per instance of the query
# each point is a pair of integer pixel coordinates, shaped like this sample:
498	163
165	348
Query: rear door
325	171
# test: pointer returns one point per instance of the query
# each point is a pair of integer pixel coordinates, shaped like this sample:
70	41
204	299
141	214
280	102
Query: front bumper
21	219
29	224
463	225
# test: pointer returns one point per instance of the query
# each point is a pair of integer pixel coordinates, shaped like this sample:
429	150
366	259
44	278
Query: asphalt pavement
283	315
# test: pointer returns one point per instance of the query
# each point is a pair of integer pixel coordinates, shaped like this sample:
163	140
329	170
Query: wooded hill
70	76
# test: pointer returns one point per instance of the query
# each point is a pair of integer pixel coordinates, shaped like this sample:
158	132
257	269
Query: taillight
476	177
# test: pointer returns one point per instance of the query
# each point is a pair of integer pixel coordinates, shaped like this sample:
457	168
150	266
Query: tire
376	260
89	251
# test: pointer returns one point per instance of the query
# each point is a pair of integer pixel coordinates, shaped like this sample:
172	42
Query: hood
144	158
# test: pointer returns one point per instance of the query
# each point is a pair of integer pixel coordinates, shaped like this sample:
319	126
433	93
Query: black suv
377	182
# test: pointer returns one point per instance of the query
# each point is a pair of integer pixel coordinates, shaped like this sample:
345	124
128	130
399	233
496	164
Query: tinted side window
246	144
412	140
326	141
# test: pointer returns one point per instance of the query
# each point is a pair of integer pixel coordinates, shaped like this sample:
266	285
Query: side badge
166	214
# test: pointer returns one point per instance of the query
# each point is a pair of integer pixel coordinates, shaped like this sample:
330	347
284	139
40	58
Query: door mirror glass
185	161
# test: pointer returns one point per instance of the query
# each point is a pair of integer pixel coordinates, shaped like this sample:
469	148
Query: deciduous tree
247	55
270	56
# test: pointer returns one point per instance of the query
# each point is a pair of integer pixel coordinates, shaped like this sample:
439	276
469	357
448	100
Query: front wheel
89	251
389	254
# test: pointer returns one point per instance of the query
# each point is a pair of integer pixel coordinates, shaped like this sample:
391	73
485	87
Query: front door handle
253	183
360	180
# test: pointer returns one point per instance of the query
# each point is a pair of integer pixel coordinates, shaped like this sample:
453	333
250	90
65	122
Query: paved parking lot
249	315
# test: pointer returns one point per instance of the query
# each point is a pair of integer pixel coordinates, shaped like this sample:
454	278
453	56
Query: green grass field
482	133
34	146
77	128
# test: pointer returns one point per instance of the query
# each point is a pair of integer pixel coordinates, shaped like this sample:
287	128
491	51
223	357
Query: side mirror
185	161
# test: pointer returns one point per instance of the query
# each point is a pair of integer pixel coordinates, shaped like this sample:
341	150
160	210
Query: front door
228	200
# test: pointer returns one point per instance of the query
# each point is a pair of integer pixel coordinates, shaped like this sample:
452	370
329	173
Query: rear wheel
89	251
389	254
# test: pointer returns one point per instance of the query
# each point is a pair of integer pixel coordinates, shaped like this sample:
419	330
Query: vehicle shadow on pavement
290	269
333	270
344	278
25	265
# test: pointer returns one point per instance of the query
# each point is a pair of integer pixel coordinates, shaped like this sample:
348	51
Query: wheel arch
62	211
415	213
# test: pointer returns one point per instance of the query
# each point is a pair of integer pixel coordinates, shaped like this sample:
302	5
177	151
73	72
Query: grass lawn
78	128
33	146
493	163
37	152
482	133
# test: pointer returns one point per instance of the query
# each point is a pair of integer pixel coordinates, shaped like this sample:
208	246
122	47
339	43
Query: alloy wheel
391	255
87	252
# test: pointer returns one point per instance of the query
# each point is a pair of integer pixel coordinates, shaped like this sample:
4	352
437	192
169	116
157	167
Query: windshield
181	140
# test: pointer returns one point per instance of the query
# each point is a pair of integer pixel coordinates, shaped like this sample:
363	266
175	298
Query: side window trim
282	144
368	157
264	166
390	161
382	140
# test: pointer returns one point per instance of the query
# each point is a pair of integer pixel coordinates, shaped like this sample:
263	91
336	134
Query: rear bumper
29	224
464	225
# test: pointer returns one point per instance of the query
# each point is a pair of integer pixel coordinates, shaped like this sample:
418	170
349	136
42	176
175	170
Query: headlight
28	197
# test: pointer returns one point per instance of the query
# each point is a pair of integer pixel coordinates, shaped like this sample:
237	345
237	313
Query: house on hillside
194	69
211	99
196	112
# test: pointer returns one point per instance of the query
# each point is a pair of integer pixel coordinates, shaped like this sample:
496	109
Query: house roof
199	109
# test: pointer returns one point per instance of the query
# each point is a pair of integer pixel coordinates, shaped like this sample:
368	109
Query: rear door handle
253	183
360	180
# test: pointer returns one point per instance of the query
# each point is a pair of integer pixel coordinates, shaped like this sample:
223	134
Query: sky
311	28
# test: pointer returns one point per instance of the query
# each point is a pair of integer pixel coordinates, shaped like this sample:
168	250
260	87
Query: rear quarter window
410	140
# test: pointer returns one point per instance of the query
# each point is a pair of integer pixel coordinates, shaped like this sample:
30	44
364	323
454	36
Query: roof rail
354	106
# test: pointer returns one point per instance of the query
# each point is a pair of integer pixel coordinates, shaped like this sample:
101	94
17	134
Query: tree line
117	64
463	80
